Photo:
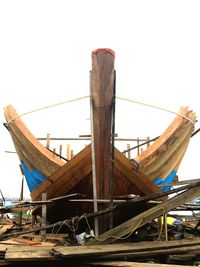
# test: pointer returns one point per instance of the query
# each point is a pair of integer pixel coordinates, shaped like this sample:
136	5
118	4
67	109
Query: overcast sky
45	58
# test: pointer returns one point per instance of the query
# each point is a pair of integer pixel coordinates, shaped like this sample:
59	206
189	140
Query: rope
126	236
49	106
153	106
117	97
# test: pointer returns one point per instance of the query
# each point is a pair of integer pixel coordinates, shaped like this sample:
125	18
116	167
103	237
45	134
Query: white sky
45	58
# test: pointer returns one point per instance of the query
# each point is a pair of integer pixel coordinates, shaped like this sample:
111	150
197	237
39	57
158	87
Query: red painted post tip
103	50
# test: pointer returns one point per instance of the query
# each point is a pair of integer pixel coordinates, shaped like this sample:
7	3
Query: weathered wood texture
125	168
102	93
29	149
66	177
145	248
154	253
134	264
23	253
169	149
90	254
145	217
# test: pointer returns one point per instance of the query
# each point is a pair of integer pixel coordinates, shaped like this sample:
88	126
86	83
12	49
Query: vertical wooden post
94	178
44	217
54	150
165	226
148	144
72	153
129	152
138	149
102	93
60	150
48	141
68	152
159	227
21	195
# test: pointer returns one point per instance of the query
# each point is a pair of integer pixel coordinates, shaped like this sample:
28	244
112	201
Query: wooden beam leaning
143	218
102	93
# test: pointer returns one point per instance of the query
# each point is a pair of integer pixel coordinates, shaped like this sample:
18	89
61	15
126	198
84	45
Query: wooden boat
92	172
161	160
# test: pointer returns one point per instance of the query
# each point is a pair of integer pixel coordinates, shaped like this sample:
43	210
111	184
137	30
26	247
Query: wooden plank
28	147
125	168
80	166
23	253
171	142
134	264
34	243
126	248
5	228
3	247
66	177
138	221
153	253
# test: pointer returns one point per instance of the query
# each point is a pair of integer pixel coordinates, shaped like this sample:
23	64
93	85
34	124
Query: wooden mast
102	93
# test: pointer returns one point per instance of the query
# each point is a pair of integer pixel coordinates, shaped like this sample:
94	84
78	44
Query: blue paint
169	179
33	178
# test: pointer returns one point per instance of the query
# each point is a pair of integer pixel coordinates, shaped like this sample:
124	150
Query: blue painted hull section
33	178
169	179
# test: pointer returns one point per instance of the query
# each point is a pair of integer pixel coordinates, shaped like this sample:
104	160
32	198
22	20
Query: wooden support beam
102	93
128	152
60	150
165	227
68	156
44	217
48	141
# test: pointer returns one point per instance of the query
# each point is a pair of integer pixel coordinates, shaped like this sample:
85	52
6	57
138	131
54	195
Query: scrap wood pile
126	242
179	252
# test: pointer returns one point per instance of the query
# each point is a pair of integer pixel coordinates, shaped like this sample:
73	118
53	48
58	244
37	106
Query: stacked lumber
109	255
